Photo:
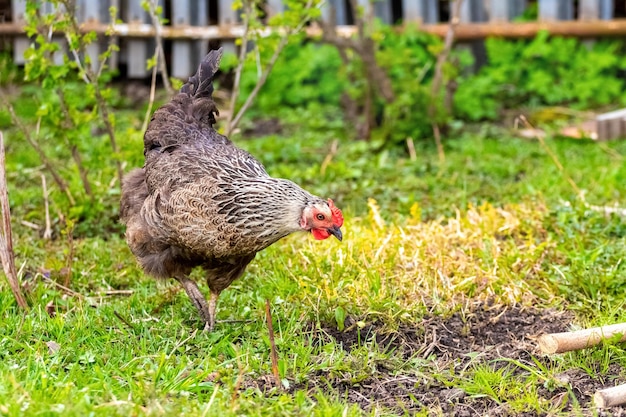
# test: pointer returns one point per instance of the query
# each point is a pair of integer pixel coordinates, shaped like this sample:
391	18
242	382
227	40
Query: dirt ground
483	336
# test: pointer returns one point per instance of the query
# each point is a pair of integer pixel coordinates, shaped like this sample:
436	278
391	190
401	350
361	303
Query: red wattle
320	234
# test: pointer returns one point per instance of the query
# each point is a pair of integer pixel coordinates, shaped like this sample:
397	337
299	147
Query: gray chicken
199	201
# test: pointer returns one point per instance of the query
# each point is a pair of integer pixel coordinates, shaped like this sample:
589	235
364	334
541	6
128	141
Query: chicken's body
201	201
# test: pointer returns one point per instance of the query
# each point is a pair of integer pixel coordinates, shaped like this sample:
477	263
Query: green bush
8	69
306	73
311	76
409	58
544	71
70	103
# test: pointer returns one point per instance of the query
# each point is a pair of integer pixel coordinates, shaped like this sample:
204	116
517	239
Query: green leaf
340	318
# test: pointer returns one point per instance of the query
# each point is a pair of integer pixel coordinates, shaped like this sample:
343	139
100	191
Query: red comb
337	216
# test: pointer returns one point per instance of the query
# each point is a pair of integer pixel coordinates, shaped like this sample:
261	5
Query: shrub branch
230	125
146	118
60	182
70	125
6	237
363	45
235	119
92	77
442	58
159	52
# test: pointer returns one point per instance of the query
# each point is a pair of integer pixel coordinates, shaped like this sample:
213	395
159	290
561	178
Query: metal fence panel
136	51
505	10
421	11
181	49
189	32
556	9
595	9
20	43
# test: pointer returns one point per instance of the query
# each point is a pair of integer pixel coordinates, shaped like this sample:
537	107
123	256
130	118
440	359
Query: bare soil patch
485	336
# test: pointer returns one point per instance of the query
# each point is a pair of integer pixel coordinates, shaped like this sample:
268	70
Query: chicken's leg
212	306
207	311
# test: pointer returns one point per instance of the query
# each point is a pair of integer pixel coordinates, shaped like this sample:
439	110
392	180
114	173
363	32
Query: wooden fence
192	24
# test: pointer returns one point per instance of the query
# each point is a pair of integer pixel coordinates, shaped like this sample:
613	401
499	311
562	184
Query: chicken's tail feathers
200	85
167	129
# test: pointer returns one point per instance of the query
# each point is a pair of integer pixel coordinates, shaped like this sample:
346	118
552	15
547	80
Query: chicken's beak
335	231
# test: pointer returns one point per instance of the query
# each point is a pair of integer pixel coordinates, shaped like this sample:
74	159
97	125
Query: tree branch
442	58
378	82
146	118
259	84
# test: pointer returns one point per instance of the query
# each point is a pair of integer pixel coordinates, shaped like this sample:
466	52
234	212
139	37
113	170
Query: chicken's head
322	219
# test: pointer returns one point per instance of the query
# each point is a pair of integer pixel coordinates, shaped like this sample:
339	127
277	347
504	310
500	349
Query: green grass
495	224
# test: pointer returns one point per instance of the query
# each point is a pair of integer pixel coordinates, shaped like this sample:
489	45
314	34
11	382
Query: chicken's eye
320	216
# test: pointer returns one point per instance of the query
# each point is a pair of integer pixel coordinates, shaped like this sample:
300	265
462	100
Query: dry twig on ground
553	156
125	322
47	233
273	353
606	210
582	339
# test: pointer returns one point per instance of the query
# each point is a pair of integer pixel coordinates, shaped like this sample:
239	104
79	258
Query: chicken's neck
271	207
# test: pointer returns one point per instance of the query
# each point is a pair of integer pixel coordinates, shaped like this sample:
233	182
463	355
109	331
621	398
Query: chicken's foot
197	298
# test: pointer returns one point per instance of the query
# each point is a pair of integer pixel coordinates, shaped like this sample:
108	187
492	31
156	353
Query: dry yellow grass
486	254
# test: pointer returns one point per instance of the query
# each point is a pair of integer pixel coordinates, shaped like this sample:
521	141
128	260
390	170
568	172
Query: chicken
199	201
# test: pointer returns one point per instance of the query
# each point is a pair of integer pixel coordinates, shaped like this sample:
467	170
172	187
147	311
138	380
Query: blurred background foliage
302	114
544	71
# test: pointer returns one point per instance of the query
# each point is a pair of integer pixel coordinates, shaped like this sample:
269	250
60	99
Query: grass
496	225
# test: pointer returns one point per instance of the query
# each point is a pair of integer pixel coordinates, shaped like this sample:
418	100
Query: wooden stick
64	288
610	397
581	339
465	31
47	233
6	237
273	354
329	157
126	322
411	146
